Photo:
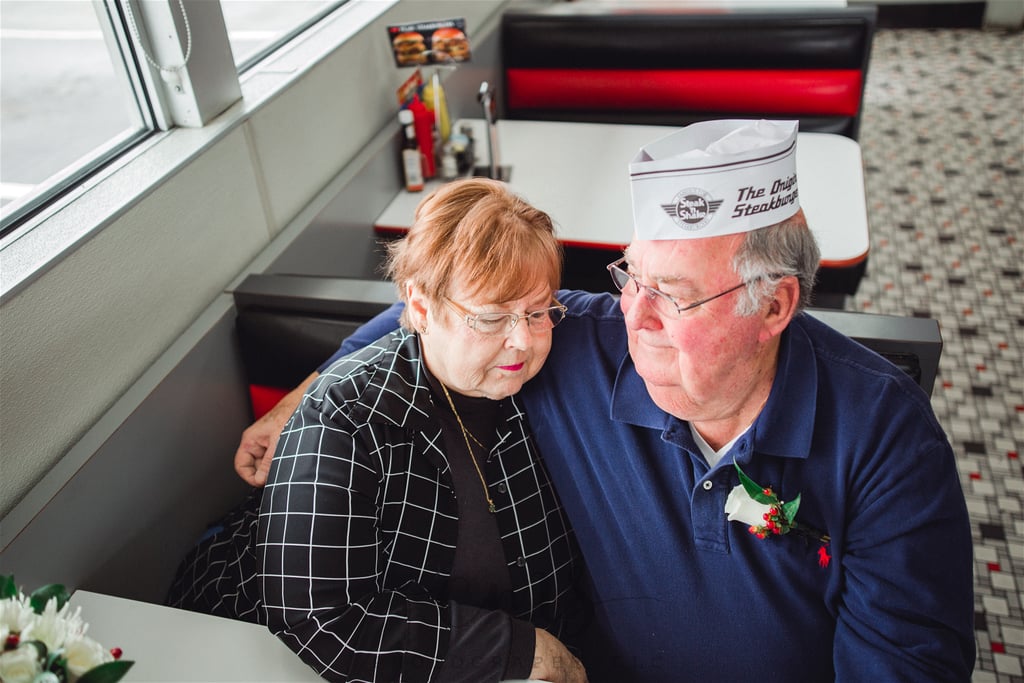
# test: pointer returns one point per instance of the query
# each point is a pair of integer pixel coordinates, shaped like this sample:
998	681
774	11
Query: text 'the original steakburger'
452	42
410	48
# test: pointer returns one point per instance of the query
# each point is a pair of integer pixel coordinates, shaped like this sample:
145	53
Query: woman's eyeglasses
503	323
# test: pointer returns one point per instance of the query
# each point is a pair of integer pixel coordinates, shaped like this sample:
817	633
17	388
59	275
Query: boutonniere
766	515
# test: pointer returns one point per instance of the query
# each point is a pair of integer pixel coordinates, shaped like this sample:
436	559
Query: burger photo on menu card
410	48
452	42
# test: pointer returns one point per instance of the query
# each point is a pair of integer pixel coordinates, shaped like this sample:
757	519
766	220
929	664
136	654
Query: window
75	94
69	99
257	27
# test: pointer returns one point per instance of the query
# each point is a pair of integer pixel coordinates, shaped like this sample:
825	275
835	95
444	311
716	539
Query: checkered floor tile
943	141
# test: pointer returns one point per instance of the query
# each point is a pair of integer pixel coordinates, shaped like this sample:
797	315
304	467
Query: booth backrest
631	63
288	325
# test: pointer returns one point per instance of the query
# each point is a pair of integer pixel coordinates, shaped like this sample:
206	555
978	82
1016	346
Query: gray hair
769	254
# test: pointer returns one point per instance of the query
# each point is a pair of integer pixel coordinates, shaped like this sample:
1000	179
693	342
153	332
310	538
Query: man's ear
781	308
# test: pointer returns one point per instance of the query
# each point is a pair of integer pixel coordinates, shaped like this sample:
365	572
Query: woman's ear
783	306
417	306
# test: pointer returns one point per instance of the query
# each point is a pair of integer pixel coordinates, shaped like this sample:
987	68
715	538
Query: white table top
587	193
177	646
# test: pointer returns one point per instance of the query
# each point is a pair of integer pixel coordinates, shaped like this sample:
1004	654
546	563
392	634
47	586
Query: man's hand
256	450
552	662
252	459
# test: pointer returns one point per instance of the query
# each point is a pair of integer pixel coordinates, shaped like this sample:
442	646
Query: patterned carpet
943	141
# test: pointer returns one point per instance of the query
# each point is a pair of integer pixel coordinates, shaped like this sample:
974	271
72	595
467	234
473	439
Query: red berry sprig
779	519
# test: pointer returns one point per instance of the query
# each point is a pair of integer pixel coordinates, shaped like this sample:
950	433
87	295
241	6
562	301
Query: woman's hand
552	662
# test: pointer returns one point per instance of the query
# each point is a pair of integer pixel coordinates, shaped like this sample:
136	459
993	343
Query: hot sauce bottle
412	164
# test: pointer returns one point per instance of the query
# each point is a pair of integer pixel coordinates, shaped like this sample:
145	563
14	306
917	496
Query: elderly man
702	394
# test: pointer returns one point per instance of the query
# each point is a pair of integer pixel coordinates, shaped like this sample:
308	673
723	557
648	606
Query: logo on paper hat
715	178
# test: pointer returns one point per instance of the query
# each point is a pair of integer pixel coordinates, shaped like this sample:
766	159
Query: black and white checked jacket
358	523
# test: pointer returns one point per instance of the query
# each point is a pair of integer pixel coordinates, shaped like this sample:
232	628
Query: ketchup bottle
423	121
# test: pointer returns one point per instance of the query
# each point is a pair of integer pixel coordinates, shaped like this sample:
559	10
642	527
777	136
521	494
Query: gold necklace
466	436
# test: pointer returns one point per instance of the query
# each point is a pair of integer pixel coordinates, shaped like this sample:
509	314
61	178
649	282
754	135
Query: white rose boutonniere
43	641
740	507
765	515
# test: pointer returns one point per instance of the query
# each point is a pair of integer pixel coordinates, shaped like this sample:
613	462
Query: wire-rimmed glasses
667	305
503	323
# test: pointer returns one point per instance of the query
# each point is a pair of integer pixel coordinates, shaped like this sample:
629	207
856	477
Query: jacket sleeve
487	645
321	562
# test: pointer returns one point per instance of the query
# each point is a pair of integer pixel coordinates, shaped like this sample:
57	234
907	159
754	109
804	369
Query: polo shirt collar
630	401
785	427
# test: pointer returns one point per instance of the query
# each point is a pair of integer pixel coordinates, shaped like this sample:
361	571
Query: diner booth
116	511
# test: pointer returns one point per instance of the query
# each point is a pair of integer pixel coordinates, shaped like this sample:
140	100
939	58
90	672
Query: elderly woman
408	529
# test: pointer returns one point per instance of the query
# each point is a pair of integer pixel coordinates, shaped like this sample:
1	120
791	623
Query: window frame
154	97
58	186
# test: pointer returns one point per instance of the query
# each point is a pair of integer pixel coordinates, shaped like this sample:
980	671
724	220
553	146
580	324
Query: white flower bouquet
42	640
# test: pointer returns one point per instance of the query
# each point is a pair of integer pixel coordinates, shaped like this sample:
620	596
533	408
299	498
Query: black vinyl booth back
288	325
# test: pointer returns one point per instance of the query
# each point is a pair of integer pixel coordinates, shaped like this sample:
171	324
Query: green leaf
56	662
106	673
41	650
789	509
753	490
8	589
42	595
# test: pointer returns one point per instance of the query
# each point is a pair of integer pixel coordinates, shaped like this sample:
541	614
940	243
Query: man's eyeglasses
630	286
503	323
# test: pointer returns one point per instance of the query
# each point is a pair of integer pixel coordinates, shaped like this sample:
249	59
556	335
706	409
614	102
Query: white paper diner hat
715	178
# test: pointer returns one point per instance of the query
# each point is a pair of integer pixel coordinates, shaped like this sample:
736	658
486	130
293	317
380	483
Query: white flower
84	653
16	613
742	508
53	627
20	665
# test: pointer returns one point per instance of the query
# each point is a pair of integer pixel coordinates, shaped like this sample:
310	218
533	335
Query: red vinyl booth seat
828	92
672	66
263	398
